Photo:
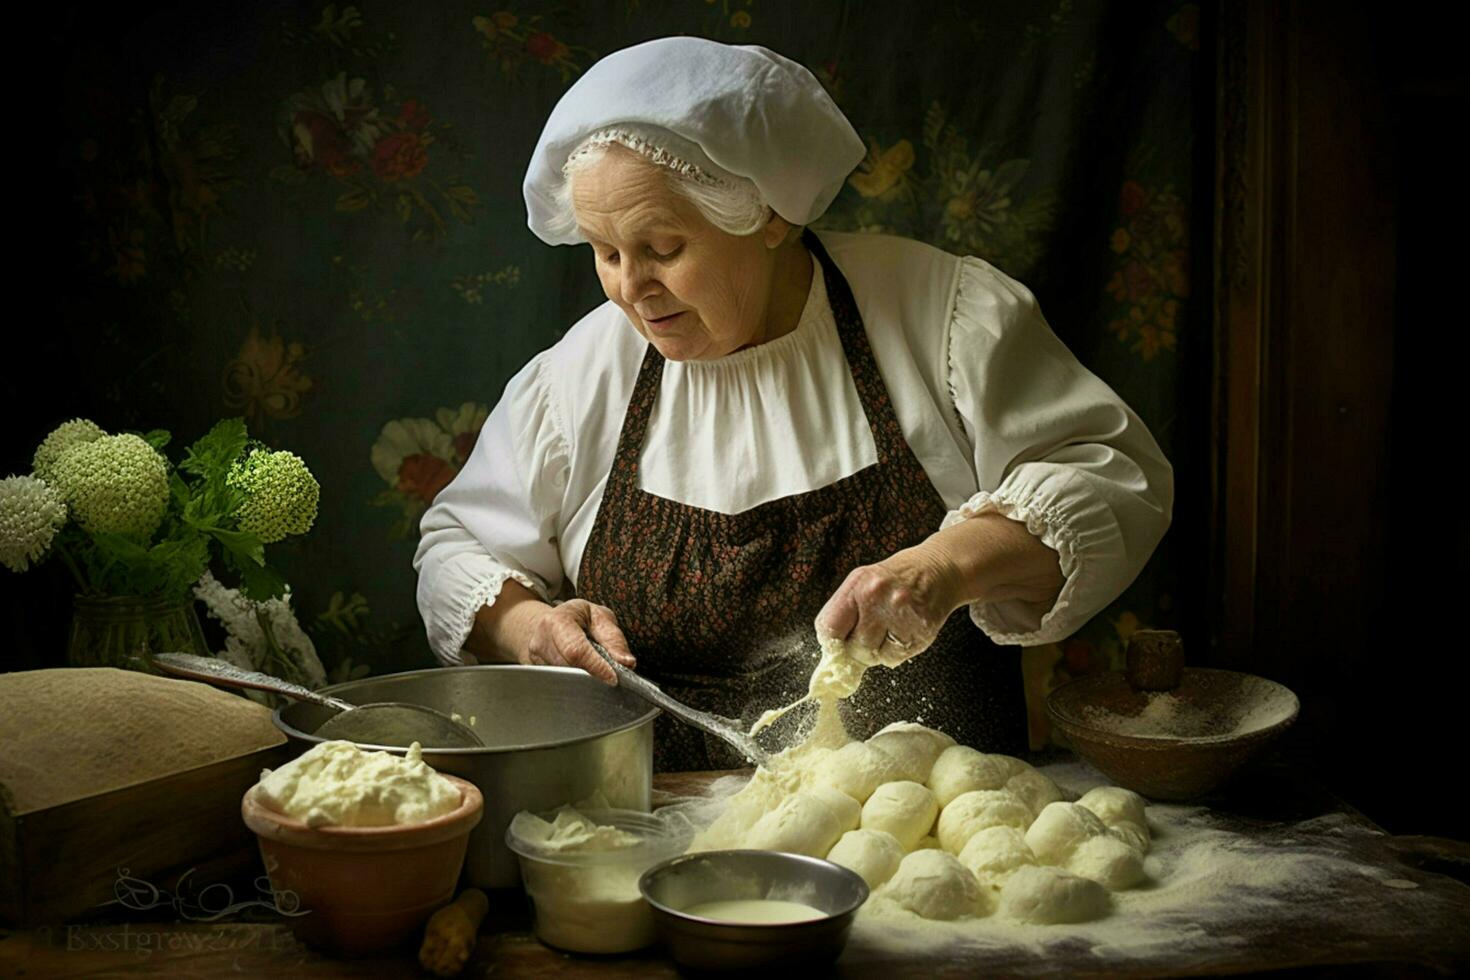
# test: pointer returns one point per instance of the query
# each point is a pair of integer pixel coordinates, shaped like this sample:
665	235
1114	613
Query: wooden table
256	942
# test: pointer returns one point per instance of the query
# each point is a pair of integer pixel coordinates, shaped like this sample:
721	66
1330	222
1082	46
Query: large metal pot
553	735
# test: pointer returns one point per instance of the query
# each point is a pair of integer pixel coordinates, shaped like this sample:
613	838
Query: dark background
1095	96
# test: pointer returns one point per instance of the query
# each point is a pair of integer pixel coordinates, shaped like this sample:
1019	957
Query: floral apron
718	608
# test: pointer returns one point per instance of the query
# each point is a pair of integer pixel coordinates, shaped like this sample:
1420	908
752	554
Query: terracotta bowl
1216	721
363	889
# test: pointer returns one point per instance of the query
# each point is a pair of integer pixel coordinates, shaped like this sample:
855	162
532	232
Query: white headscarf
740	110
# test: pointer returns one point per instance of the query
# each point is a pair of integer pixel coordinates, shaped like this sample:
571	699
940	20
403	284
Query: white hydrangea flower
114	484
246	645
30	515
281	495
62	438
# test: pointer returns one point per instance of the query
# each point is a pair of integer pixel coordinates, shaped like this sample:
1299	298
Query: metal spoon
384	723
717	725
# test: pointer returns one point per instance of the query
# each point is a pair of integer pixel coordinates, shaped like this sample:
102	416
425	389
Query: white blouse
997	410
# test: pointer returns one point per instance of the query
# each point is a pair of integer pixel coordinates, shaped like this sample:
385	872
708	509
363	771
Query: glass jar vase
120	631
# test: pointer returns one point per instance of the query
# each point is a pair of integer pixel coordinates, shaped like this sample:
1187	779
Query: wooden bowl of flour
1177	744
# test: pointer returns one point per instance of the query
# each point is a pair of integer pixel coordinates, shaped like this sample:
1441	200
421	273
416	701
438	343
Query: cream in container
581	871
338	784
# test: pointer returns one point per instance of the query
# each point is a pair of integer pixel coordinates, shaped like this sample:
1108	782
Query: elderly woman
764	428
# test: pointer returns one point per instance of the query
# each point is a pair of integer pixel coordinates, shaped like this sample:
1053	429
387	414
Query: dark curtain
310	215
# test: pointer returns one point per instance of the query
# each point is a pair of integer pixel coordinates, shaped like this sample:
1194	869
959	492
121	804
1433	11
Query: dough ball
969	813
905	809
1049	896
1122	810
913	747
960	769
995	853
1060	829
1108	861
1035	789
847	810
1114	804
935	885
857	769
1132	834
928	842
801	823
874	854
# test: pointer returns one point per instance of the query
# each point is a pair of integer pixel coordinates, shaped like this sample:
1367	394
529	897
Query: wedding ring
888	637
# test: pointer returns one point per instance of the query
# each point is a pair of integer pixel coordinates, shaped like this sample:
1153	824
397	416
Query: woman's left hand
893	610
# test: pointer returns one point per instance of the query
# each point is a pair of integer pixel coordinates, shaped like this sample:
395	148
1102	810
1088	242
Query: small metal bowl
698	943
1103	719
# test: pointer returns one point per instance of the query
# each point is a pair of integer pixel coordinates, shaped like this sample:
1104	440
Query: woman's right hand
558	638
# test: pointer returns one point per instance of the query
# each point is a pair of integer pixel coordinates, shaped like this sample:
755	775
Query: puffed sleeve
1054	448
497	519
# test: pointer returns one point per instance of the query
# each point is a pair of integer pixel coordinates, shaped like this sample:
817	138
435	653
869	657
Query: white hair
730	203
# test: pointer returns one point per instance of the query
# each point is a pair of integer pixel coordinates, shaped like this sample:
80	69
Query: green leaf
246	546
180	492
258	582
217	449
157	438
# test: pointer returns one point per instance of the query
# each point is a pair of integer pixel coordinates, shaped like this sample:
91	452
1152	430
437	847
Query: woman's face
692	290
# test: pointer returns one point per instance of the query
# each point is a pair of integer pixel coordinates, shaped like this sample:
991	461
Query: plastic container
364	889
587	901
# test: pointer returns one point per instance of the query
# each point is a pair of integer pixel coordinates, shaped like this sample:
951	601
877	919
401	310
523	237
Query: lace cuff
457	630
1015	621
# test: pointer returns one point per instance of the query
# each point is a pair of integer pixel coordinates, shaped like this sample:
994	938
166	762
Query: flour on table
919	798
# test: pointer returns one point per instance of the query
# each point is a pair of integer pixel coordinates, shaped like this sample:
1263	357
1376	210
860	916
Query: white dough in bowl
801	823
969	813
857	769
961	769
1047	896
935	885
995	853
904	809
1060	829
913	747
874	854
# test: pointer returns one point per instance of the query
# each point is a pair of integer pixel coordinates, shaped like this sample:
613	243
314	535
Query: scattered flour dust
1167	715
1200	892
1211	892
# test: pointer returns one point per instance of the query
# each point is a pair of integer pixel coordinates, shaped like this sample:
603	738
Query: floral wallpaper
309	215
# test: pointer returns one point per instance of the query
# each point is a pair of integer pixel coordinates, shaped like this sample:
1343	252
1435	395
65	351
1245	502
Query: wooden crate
64	862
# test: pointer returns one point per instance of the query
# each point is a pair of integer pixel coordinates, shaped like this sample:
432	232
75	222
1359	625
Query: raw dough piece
847	810
1108	861
838	674
874	854
961	769
928	842
1034	789
857	769
935	885
994	854
801	824
913	747
1122	810
1060	830
905	809
969	813
1047	896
